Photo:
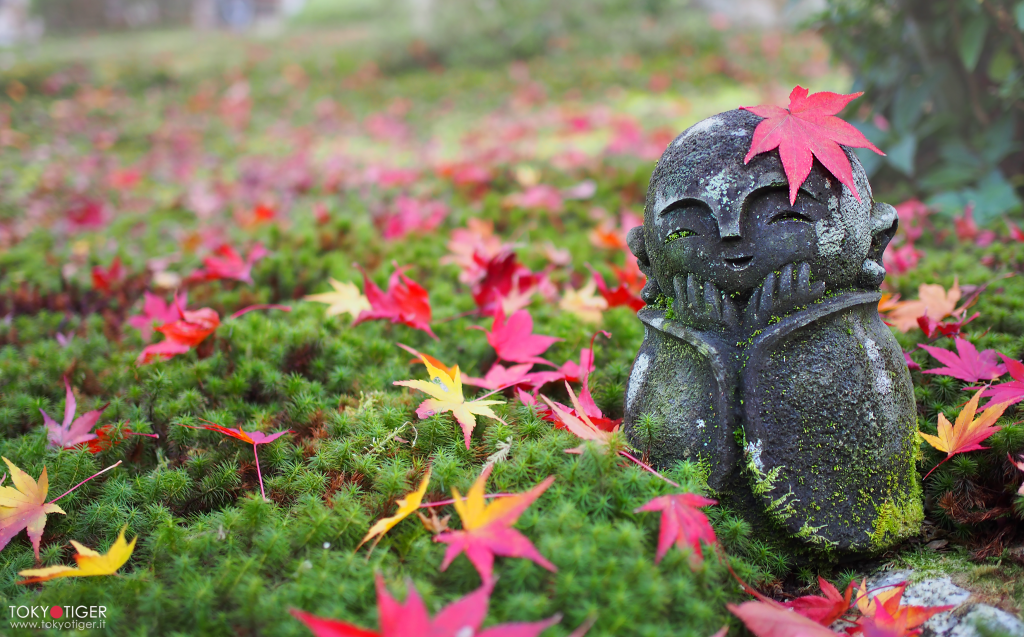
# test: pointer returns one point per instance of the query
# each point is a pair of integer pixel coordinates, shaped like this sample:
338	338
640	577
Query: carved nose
729	228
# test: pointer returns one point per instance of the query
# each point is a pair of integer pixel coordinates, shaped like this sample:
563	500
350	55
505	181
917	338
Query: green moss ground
212	558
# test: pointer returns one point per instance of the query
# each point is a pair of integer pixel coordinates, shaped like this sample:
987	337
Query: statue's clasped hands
702	306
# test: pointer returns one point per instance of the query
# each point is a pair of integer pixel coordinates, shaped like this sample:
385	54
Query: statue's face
731	224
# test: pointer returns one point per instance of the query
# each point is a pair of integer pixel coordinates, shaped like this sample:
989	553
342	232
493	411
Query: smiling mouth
739	263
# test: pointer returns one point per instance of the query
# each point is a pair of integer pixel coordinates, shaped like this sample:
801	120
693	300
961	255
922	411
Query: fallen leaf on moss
967	364
405	302
226	263
933	301
345	299
254	438
682	524
24	506
968	432
824	610
188	331
584	303
156	311
406	506
1011	392
894	614
445	391
90	562
487	528
73	431
514	340
766	620
461	618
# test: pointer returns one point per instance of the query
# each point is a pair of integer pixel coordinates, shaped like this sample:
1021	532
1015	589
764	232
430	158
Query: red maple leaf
569	371
103	279
933	328
410	619
228	264
405	302
500	377
188	331
253	438
104	440
487	528
156	310
805	130
1011	392
824	610
682	523
515	341
768	620
408	215
621	295
503	277
970	365
1015	232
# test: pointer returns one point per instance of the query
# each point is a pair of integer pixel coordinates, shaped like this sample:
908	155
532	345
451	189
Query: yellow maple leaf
968	432
932	300
90	562
406	506
584	303
346	297
24	506
445	389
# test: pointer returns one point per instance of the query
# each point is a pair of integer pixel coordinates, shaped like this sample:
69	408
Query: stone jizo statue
764	357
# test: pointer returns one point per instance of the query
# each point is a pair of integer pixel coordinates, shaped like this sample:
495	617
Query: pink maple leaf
405	302
569	371
461	618
805	130
682	523
1011	392
970	366
156	310
73	431
191	329
515	341
499	377
411	215
228	264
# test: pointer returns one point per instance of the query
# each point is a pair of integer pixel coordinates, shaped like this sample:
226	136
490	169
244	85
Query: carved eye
789	215
679	234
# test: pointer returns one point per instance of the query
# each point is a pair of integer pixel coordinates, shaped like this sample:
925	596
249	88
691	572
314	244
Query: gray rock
993	621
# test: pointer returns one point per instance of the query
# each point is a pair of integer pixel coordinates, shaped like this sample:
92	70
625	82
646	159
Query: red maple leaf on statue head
405	302
805	130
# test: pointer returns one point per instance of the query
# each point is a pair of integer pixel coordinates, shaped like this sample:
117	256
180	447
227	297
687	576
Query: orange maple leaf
968	432
406	506
933	301
887	603
487	528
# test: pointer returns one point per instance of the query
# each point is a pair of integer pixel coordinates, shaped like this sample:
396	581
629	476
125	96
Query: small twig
83	482
442	503
250	308
648	468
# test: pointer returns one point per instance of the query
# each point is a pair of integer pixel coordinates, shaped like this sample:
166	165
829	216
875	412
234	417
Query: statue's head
731	224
